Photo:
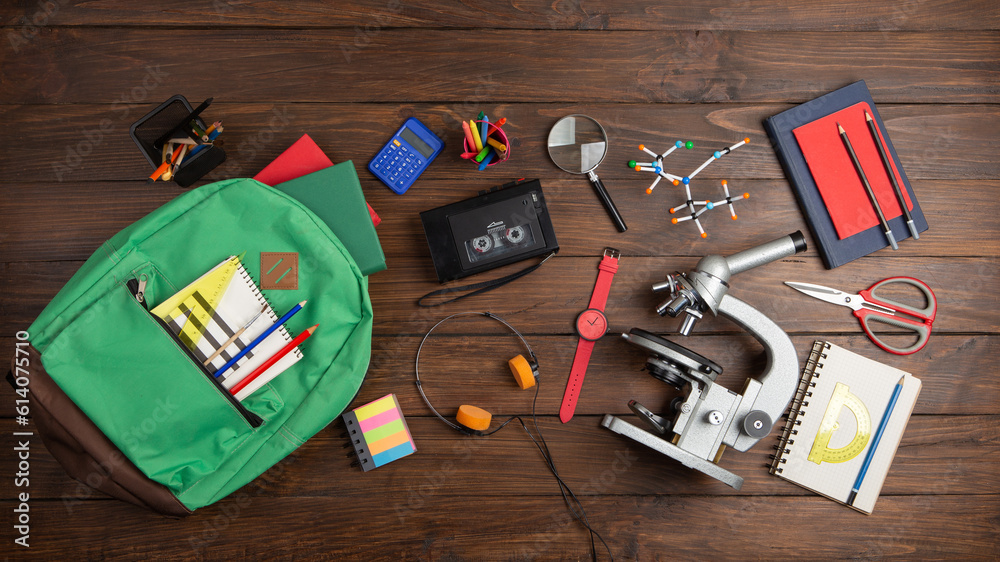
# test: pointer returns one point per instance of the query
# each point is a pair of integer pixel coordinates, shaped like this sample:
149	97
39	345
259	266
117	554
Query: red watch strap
580	361
606	272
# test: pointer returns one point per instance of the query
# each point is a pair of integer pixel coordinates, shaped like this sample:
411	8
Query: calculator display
422	147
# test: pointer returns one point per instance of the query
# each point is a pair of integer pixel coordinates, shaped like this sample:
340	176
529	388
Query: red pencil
272	360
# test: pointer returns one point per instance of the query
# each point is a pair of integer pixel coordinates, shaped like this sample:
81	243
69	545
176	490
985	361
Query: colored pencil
875	440
272	360
234	336
260	338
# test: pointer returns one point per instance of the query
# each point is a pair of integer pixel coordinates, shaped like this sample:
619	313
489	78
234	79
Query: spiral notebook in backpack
841	401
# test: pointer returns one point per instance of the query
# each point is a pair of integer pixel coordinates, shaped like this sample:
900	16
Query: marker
469	141
475	135
469	155
868	187
892	176
259	339
272	360
875	440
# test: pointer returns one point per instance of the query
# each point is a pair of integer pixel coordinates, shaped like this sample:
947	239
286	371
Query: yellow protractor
821	451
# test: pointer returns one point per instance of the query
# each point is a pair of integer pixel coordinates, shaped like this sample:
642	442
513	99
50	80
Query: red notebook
835	176
303	157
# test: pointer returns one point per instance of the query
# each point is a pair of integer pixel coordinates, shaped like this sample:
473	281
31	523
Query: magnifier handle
602	193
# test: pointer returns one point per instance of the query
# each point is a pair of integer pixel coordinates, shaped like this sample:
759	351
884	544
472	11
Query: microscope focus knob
757	424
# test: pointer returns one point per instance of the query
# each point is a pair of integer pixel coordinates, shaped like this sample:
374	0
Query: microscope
707	417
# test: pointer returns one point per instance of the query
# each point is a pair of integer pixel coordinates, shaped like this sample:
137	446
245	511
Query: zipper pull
138	288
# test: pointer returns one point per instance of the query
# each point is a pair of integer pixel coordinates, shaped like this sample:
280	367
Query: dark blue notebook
834	250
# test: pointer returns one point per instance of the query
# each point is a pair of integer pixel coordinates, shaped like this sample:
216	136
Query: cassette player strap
478	288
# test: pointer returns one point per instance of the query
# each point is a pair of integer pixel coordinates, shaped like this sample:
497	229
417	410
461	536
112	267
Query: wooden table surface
74	75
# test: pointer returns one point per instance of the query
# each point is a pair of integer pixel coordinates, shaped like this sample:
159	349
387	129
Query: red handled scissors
869	307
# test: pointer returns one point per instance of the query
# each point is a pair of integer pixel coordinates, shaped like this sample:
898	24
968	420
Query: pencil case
494	132
122	405
168	115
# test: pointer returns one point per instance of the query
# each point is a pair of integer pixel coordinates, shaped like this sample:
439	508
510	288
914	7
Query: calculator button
396	143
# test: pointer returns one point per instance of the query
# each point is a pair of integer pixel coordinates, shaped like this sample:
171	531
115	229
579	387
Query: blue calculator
406	155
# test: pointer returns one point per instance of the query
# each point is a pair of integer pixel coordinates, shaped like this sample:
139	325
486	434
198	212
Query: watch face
591	324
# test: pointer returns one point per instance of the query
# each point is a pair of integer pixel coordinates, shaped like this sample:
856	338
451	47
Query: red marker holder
495	133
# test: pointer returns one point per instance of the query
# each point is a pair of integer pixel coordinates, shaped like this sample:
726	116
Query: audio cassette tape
501	226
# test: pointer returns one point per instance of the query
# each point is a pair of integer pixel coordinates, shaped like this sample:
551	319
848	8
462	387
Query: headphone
473	420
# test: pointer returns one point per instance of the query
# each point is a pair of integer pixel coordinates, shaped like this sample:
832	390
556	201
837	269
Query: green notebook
335	195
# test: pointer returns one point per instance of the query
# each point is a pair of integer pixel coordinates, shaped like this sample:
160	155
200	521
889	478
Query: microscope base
689	460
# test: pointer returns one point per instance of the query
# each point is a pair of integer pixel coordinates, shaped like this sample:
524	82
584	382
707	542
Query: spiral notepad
838	406
207	312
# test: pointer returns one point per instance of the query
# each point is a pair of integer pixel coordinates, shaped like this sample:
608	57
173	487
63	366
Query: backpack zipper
137	288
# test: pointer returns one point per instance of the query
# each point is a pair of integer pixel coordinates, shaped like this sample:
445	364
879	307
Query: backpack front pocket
142	388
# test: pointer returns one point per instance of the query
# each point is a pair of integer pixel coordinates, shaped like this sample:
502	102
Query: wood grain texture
98	65
773	15
75	74
687	527
78	143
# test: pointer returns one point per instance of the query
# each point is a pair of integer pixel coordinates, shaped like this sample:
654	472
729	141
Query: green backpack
125	410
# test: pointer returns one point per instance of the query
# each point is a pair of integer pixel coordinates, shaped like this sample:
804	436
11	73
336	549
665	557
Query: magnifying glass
578	144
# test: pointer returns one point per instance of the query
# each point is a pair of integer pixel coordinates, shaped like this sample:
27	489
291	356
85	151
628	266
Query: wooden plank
592	461
903	527
548	300
86	65
664	15
77	143
68	221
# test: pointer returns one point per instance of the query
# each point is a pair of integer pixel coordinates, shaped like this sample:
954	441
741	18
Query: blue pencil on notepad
259	339
875	440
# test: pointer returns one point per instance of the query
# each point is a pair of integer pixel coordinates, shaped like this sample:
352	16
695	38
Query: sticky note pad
378	432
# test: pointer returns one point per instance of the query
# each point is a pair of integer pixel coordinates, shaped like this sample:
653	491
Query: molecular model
656	166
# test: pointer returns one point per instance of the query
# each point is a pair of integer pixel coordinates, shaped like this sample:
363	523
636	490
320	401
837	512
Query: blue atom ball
678	144
718	154
658	169
685	181
710	205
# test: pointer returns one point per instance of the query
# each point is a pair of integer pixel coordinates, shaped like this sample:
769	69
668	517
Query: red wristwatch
591	324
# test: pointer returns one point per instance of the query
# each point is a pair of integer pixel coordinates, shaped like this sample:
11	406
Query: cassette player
504	225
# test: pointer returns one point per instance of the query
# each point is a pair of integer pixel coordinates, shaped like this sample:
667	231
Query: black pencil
868	187
892	176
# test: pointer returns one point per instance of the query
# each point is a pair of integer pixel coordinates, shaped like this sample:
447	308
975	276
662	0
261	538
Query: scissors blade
828	294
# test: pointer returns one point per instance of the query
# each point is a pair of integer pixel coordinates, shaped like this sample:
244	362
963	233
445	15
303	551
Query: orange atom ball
676	182
672	212
724	182
746	196
674	221
649	190
704	235
746	139
734	217
642	146
637	168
